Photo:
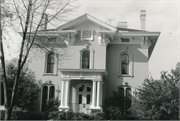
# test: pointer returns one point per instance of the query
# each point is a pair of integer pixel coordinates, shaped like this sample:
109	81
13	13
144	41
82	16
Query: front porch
82	90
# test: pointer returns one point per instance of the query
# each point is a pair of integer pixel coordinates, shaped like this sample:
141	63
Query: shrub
14	116
158	99
19	115
61	115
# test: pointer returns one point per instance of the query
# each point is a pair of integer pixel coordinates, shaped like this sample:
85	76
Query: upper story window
85	59
50	62
125	63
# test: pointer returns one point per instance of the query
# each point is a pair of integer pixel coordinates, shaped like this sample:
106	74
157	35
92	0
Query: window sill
49	74
124	75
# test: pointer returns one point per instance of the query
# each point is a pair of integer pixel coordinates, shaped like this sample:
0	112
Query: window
2	94
86	35
85	59
48	92
125	98
50	63
125	63
125	40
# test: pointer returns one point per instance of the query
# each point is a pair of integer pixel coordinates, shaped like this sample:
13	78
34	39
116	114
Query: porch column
98	93
101	92
67	93
94	94
62	94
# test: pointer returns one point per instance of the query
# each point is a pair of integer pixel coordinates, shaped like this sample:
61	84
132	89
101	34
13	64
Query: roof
110	30
84	18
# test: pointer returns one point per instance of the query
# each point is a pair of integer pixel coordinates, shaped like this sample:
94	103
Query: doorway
84	97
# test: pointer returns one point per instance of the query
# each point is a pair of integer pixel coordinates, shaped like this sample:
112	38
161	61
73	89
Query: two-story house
89	59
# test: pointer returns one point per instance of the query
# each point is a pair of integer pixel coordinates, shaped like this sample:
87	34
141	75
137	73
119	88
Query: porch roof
86	74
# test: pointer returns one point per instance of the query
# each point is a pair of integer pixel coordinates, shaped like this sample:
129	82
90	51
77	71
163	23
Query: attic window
125	40
86	35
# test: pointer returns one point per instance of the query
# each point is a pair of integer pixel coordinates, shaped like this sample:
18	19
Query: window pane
128	93
80	99
128	100
2	94
50	63
85	59
88	89
44	97
125	64
88	99
52	92
121	94
81	88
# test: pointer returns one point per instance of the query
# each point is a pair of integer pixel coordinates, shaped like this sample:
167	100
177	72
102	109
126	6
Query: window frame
50	63
125	87
55	66
48	93
131	64
91	58
83	61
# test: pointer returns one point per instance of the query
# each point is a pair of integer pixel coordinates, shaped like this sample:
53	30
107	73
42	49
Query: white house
89	59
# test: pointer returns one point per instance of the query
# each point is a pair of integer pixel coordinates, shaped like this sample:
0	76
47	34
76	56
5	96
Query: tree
28	87
31	16
159	99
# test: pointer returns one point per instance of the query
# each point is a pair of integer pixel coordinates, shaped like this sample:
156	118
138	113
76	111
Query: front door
84	98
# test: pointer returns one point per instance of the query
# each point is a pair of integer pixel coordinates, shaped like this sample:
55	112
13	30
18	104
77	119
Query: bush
61	115
158	100
19	115
14	116
112	113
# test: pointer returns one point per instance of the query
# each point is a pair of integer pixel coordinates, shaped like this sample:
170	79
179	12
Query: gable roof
84	18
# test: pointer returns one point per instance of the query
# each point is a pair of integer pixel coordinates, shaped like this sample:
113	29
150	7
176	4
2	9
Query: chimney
44	22
143	18
122	24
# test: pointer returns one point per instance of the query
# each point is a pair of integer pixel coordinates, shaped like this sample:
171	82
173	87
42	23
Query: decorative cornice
69	36
69	39
146	43
103	39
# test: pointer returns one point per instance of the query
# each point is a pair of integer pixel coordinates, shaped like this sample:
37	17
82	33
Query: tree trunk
8	112
6	101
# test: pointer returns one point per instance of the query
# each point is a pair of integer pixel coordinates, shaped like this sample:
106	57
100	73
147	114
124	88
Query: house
88	60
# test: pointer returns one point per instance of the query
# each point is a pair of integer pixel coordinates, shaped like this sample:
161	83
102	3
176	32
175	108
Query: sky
161	16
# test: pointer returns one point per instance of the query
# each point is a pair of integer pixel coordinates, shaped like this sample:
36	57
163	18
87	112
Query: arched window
125	63
125	94
48	92
85	59
50	63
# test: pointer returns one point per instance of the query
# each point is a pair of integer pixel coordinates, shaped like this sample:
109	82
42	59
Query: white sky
161	16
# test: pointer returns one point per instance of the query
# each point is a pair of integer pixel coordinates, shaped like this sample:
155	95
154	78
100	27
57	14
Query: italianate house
88	60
